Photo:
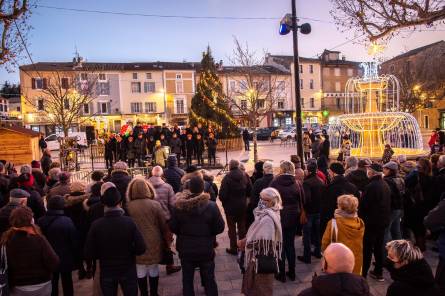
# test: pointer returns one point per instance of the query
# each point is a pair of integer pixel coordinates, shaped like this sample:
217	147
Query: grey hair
233	164
351	162
272	194
441	162
242	167
405	250
287	168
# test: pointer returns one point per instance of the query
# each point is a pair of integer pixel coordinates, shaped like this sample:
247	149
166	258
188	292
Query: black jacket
121	179
337	187
233	193
375	204
359	178
290	197
189	146
60	232
258	186
317	191
338	284
35	202
397	187
413	279
211	144
173	174
140	147
175	145
115	241
196	221
45	163
5	212
110	148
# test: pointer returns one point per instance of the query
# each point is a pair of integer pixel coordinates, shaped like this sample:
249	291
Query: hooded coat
233	193
164	195
196	221
359	178
338	284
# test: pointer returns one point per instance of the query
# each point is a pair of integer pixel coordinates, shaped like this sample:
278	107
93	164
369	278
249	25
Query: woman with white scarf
264	238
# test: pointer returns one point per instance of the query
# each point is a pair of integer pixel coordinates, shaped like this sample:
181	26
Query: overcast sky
120	38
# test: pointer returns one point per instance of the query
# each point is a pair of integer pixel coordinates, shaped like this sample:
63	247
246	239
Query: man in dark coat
196	221
235	188
46	161
17	198
211	144
42	143
190	148
375	210
199	142
131	151
175	147
140	146
115	241
359	176
121	149
246	139
110	146
337	187
61	233
120	178
173	174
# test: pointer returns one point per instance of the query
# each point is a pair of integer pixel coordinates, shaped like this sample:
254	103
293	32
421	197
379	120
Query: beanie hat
111	197
376	167
196	184
35	164
268	167
337	168
25	169
97	175
120	165
157	171
77	186
312	165
171	160
105	186
56	202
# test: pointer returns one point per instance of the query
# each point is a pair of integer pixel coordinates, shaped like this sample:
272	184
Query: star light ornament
375	49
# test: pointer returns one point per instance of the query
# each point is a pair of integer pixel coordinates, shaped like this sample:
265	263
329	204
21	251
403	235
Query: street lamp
287	24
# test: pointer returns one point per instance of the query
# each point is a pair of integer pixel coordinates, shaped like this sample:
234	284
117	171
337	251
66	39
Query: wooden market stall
19	145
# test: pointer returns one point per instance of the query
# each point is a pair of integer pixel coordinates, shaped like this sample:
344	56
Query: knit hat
97	175
233	164
268	167
337	168
35	164
376	167
392	165
64	177
312	165
196	184
259	166
25	169
111	197
139	188
77	187
105	186
18	193
56	202
171	160
157	171
120	165
54	173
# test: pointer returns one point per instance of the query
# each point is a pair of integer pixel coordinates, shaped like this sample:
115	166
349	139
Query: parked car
264	133
53	140
287	132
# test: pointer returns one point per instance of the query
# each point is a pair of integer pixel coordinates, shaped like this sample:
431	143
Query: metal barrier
85	176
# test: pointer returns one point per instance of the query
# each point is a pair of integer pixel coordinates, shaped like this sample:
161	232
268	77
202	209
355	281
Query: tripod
226	166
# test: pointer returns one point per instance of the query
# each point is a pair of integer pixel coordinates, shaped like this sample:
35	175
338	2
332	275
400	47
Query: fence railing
85	176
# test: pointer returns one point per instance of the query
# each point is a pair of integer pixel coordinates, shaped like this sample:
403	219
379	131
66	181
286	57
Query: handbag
4	289
303	216
167	257
266	264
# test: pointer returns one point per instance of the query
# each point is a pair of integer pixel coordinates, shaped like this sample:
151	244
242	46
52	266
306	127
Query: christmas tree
209	106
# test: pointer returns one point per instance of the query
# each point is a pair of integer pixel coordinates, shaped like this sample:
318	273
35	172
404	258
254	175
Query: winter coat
121	148
350	233
359	178
199	146
258	186
290	197
338	284
31	259
315	147
245	136
435	221
60	232
211	144
110	146
397	187
5	213
317	191
74	209
233	193
115	241
39	179
307	144
196	221
387	154
140	147
175	145
159	156
131	150
189	146
150	220
413	279
121	179
45	163
35	202
375	204
209	187
325	147
338	186
164	195
61	189
173	174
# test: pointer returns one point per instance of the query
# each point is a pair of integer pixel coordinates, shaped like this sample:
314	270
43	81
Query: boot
143	288
153	285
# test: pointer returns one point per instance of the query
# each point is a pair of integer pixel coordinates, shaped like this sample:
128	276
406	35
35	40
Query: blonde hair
287	167
404	250
270	193
348	203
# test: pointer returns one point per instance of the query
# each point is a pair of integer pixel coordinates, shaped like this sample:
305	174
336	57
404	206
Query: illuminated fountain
373	118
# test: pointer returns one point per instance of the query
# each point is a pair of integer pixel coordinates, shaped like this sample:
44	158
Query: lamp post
288	23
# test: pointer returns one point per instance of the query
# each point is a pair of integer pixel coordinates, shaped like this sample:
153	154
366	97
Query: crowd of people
118	230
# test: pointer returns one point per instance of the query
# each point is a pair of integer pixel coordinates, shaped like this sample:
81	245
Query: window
135	75
83	76
86	108
301	83
312	103
149	87
281	87
147	75
135	87
103	107
337	86
260	103
65	83
102	77
179	87
350	72
426	122
178	76
40	105
232	85
150	107
301	68
243	86
311	69
243	104
39	83
104	88
311	84
336	71
136	107
66	104
280	104
179	106
302	102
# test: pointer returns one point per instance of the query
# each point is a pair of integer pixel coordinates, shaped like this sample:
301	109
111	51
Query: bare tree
257	92
64	97
13	17
384	18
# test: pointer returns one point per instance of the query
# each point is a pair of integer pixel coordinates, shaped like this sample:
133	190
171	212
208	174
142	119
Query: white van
52	141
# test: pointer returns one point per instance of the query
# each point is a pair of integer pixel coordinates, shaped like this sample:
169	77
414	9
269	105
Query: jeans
128	284
311	234
234	222
207	271
288	250
67	283
373	241
393	232
147	270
